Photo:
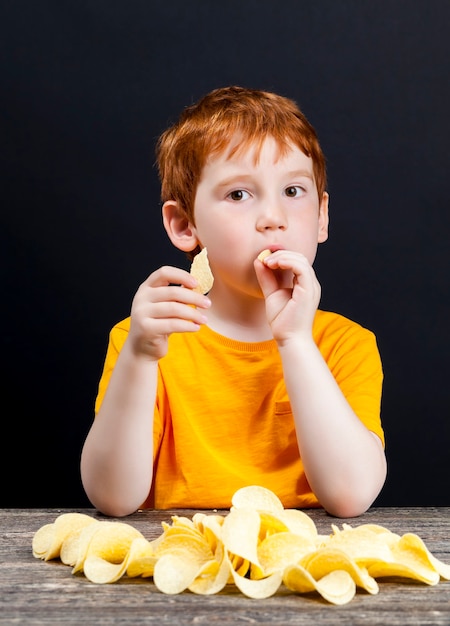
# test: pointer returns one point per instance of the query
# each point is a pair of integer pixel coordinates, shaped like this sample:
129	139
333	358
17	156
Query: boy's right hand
165	303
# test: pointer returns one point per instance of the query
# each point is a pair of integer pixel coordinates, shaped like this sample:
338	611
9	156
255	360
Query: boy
250	384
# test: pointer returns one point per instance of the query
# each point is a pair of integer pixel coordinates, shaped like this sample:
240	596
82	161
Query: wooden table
37	592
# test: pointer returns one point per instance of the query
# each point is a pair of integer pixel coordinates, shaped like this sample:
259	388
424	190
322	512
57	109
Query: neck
242	318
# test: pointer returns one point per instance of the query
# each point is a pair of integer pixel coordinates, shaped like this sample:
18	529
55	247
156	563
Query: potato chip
258	498
141	558
279	550
201	270
101	572
100	567
412	544
212	577
337	587
69	549
270	525
185	540
321	562
362	544
181	558
411	559
262	255
257	546
239	565
75	546
173	573
384	553
48	540
214	522
240	533
299	523
257	589
210	526
42	544
183	531
183	543
110	542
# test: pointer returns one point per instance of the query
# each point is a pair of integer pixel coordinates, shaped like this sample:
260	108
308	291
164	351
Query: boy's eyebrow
243	177
231	179
301	173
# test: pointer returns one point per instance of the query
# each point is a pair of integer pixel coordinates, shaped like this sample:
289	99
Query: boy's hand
165	303
292	293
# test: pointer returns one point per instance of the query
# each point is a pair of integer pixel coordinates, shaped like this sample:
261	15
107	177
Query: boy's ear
181	231
323	218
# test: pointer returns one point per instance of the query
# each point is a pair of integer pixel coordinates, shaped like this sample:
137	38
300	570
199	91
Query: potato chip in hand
201	270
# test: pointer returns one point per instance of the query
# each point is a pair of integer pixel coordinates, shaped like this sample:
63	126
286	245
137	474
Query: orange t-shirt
222	417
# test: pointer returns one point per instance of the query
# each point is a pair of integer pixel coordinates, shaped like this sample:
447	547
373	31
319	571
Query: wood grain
37	592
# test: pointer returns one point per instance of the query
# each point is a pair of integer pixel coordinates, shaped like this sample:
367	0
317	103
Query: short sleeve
353	357
117	338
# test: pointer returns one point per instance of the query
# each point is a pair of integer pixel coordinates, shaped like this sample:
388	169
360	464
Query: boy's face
243	207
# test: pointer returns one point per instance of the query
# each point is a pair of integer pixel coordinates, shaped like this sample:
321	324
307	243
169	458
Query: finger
266	278
169	275
286	259
162	328
276	271
169	293
163	318
296	267
175	310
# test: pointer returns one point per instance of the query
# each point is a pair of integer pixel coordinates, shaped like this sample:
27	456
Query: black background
87	86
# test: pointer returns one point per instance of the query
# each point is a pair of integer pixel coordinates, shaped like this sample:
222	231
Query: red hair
208	126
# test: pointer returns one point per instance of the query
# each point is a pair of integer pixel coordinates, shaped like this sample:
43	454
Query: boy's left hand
292	293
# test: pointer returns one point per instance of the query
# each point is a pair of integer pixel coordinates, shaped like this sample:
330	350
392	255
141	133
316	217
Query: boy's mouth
268	251
272	248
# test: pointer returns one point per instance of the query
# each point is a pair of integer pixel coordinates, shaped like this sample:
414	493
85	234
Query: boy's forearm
344	462
117	457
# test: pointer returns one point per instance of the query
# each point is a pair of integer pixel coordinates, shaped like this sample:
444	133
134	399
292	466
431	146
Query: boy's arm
117	456
116	461
344	462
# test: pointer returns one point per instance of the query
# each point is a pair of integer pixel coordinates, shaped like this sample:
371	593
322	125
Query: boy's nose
271	217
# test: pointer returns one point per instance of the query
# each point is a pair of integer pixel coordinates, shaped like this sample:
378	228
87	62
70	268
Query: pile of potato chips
259	545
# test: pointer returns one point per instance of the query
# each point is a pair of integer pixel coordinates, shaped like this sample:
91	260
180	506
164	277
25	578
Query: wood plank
37	592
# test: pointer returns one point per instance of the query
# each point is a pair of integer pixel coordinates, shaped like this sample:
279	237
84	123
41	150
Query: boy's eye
238	194
294	191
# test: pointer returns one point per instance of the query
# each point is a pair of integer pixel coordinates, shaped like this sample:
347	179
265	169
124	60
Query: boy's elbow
102	499
111	507
115	509
348	507
109	492
353	501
